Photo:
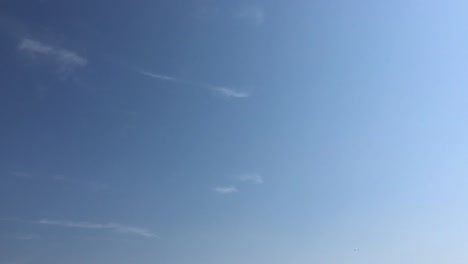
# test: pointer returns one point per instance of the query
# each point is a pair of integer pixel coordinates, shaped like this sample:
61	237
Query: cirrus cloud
67	60
251	178
220	90
112	226
119	228
226	189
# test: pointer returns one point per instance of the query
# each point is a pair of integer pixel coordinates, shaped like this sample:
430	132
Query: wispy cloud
221	90
228	92
226	189
251	14
119	228
157	76
35	47
115	227
251	178
66	59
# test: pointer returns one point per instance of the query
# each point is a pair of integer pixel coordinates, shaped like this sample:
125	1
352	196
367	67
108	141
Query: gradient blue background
357	121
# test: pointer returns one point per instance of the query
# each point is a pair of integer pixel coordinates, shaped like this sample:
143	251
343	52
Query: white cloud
223	91
119	228
70	58
230	93
35	47
158	76
252	178
66	59
226	189
252	14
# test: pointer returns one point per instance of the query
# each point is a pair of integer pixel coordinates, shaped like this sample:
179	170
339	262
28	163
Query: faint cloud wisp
227	92
248	13
115	227
223	91
157	76
66	59
251	178
226	189
119	228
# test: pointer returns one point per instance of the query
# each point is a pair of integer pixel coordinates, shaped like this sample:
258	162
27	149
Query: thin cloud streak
251	178
65	58
119	228
249	14
115	227
227	92
226	189
158	76
223	91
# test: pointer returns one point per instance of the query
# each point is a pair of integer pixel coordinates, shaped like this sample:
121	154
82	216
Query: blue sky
214	131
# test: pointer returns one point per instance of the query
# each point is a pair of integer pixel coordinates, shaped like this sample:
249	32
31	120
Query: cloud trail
115	227
251	178
110	226
221	90
67	59
226	189
228	92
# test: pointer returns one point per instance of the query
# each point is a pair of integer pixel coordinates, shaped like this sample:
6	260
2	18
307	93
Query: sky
227	132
